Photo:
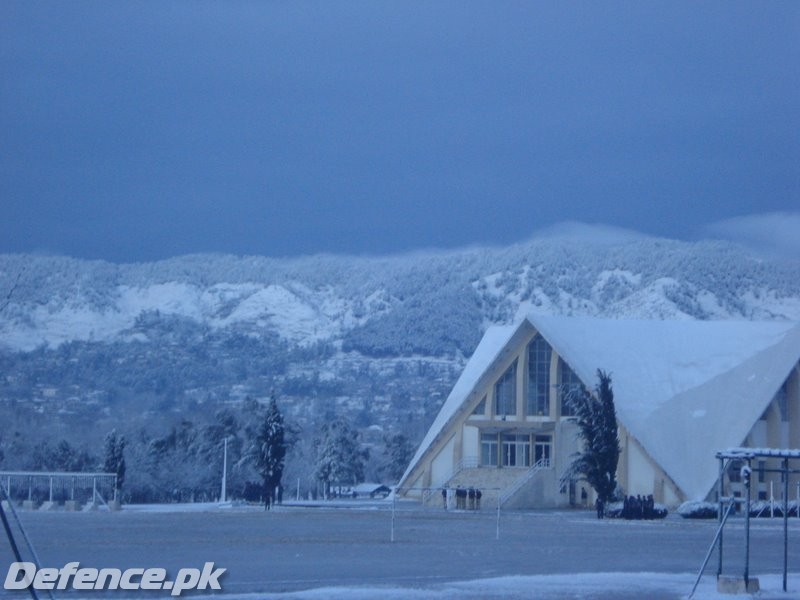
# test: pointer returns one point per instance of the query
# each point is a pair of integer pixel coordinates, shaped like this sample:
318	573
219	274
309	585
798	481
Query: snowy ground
344	550
584	586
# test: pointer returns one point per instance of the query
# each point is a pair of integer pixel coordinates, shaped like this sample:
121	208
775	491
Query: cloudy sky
138	131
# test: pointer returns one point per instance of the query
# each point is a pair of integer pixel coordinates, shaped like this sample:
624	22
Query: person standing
461	498
600	507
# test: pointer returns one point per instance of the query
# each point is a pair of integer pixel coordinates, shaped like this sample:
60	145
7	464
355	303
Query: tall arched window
568	386
539	354
505	392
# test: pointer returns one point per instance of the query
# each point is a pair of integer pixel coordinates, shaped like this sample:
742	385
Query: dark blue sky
137	131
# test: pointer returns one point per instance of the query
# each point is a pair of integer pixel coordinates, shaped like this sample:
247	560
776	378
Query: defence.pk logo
22	575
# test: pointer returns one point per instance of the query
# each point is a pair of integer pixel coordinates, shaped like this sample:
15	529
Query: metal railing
539	465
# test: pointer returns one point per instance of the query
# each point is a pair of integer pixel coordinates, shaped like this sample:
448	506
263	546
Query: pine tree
597	428
114	461
268	450
398	453
340	458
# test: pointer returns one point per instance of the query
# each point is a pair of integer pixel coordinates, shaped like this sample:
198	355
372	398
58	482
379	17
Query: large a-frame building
683	391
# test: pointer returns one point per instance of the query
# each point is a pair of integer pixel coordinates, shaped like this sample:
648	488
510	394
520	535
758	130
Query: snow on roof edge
497	338
494	340
774	345
742	395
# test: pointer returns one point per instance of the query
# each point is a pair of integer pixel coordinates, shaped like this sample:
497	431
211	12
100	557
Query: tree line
184	462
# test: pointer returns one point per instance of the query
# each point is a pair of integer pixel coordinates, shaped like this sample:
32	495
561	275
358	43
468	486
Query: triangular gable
718	414
683	389
491	345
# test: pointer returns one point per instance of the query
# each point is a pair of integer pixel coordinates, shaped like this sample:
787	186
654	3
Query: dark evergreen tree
397	453
114	461
268	450
340	458
597	429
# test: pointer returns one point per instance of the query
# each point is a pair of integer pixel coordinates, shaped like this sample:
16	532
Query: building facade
683	390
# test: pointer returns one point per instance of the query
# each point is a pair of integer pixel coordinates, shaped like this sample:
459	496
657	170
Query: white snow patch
587	586
298	314
492	285
293	318
615	281
169	298
766	304
648	303
711	305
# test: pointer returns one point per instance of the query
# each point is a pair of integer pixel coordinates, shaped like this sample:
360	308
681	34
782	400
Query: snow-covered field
344	551
626	586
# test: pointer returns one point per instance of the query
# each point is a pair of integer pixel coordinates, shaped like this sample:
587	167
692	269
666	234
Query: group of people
633	507
638	507
466	498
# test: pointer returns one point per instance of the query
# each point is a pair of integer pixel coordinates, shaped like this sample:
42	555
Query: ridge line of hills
87	346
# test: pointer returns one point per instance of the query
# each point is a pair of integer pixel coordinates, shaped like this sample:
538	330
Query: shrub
698	510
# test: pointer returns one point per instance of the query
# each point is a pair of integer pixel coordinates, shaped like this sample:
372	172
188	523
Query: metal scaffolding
746	456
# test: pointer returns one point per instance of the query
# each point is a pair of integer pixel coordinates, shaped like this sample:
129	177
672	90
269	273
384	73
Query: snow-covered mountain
88	346
434	304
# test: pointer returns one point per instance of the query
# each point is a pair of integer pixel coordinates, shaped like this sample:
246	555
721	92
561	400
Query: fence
38	487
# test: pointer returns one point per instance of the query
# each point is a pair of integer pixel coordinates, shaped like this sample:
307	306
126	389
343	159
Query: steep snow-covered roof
684	389
493	341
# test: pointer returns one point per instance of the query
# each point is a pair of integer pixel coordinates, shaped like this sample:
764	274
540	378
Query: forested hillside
158	348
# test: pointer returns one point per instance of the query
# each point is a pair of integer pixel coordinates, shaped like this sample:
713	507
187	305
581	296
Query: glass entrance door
516	450
541	450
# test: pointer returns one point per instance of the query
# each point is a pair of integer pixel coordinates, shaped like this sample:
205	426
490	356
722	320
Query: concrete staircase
514	487
533	489
490	481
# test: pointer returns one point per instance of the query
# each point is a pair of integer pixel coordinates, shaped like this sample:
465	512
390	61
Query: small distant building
683	391
371	490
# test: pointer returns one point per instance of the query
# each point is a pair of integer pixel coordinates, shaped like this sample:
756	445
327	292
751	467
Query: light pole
223	494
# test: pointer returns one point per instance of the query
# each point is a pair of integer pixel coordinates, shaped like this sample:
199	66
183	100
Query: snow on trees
596	418
61	457
340	458
114	459
178	466
398	452
185	465
268	449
